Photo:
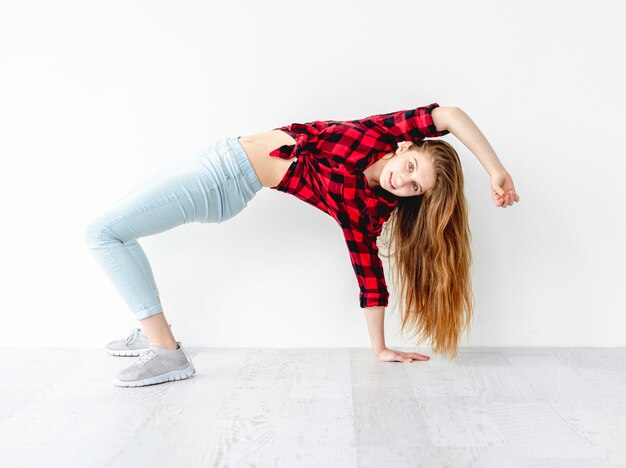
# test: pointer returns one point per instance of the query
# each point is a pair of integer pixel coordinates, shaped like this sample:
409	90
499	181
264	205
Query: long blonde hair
432	256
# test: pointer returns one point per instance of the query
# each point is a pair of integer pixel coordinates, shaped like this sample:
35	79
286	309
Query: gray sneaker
133	345
156	365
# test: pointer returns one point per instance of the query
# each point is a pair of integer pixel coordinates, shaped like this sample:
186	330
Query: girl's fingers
415	356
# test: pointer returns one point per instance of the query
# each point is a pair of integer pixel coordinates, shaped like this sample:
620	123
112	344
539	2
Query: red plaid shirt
329	176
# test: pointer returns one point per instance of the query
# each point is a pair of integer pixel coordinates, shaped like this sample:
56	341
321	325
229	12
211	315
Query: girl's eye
411	165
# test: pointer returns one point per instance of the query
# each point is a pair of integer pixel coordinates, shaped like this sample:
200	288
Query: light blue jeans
211	187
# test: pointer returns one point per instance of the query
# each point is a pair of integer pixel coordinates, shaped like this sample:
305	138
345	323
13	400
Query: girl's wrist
378	350
496	171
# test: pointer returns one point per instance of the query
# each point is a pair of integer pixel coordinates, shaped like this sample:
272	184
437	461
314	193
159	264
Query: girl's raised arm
464	128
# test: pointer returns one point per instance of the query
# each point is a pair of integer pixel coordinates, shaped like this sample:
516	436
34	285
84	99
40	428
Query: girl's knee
96	231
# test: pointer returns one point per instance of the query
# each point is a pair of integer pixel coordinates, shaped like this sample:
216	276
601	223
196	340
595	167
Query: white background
95	97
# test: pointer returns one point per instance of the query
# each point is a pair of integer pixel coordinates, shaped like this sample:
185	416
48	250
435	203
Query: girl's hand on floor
502	189
388	355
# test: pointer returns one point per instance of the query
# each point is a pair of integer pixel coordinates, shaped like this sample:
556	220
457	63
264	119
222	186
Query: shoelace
133	335
145	356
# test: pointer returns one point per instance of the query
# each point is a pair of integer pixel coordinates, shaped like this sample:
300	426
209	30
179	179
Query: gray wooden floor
491	407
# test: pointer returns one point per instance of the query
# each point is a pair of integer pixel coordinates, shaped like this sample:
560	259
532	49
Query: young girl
362	173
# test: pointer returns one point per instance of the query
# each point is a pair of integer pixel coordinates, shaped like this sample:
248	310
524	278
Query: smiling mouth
391	183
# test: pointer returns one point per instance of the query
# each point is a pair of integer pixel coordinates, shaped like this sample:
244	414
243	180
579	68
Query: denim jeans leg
210	188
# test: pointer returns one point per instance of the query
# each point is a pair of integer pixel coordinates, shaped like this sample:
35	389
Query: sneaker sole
126	352
179	374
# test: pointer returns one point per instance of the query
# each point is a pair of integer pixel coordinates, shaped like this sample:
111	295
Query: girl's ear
403	146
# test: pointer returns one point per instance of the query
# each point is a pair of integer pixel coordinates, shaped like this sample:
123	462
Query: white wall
97	96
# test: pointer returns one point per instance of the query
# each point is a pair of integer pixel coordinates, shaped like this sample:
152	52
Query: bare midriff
269	169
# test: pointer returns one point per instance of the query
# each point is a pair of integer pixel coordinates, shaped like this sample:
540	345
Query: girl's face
408	173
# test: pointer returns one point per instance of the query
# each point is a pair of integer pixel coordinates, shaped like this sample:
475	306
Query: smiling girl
367	174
